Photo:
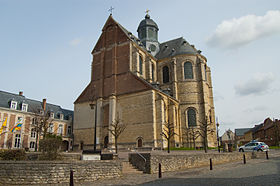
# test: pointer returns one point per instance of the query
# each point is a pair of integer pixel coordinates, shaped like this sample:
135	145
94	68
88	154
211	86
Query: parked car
254	146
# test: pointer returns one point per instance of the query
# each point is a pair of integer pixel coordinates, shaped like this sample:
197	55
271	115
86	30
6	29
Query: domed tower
148	34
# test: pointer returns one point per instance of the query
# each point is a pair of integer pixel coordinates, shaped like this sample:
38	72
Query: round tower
148	34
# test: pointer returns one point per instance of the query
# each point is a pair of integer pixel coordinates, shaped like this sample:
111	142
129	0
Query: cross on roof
111	10
147	11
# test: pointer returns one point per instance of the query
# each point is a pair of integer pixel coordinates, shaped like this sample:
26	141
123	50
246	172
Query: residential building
240	135
19	113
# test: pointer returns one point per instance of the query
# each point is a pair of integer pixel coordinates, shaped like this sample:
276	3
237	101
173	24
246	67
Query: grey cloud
258	85
241	31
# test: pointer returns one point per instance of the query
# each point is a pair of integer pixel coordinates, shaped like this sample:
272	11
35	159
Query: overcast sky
45	48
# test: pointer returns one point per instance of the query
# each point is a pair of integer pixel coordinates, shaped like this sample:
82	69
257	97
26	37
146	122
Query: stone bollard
244	159
211	167
159	170
71	178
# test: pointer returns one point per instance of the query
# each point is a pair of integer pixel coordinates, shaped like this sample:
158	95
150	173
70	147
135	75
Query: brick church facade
145	84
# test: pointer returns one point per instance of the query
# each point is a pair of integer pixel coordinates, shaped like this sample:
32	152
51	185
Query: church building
146	85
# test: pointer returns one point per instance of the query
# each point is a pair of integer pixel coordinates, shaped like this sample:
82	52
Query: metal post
159	170
211	167
244	159
71	178
266	153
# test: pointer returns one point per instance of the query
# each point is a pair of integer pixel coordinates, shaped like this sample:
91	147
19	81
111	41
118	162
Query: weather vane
111	10
147	11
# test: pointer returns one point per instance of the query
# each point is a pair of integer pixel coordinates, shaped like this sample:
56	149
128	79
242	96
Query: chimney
44	103
20	93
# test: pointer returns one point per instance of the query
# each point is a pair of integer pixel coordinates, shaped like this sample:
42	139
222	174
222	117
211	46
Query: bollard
159	170
211	168
71	178
266	153
244	159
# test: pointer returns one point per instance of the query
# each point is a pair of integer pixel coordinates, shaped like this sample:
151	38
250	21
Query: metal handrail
141	156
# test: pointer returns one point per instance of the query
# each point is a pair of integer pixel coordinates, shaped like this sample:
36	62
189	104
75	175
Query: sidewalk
135	179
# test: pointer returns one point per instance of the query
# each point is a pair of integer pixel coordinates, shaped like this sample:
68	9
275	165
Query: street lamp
94	106
218	140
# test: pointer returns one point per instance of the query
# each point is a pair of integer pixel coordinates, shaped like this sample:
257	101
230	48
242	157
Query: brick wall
42	172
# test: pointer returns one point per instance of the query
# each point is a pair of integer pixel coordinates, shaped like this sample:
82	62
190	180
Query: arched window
153	72
191	117
188	70
205	72
140	65
139	142
165	74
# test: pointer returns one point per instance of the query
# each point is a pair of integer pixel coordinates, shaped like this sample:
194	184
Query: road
255	172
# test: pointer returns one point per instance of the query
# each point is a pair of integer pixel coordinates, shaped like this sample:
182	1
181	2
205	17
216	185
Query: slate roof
242	131
147	22
175	47
33	105
166	49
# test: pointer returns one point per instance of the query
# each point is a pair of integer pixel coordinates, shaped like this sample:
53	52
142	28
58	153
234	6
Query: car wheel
241	150
259	150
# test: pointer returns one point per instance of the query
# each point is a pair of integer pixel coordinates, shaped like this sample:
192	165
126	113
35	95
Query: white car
254	146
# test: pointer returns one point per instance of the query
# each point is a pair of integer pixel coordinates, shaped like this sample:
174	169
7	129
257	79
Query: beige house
17	109
145	84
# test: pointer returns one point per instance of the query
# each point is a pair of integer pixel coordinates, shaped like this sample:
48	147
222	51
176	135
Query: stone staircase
127	168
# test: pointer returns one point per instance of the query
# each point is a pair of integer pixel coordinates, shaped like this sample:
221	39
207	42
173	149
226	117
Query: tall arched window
188	70
205	72
191	117
165	74
140	65
153	72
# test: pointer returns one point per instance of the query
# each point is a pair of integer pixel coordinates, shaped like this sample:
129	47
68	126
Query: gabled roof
175	47
242	131
33	105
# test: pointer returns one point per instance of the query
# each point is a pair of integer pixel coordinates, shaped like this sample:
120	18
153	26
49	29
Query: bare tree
41	123
191	135
204	131
168	133
168	130
117	127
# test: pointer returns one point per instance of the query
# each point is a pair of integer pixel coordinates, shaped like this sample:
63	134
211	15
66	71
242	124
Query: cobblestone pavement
255	172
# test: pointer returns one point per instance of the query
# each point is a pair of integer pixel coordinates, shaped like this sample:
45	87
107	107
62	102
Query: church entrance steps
127	168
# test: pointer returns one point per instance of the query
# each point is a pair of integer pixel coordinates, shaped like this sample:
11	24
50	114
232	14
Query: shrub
50	146
17	154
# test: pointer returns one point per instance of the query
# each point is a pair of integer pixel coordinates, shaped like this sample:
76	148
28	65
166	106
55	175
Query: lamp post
94	106
218	140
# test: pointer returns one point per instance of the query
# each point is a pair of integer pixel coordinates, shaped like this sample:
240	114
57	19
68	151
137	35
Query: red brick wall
9	142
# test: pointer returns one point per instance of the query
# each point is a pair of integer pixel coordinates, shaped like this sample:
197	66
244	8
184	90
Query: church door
139	142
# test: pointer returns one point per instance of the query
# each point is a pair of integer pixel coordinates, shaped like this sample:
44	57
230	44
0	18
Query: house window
165	74
52	115
33	133
51	128
61	116
24	107
60	129
188	70
13	105
191	117
17	141
140	65
69	131
32	145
